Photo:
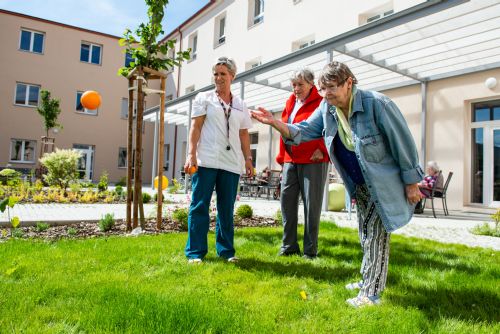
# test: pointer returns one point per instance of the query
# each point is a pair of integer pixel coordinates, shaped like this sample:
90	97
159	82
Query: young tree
49	109
145	49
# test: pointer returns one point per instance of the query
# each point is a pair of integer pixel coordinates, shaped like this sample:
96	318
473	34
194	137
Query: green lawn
144	285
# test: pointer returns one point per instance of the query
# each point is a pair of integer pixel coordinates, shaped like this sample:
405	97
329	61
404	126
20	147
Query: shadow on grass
459	303
301	268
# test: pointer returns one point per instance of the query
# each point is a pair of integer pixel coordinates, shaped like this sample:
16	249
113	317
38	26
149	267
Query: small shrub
146	198
40	227
175	187
71	231
61	167
244	211
278	217
180	216
75	187
107	222
155	198
10	177
122	182
103	182
486	229
38	185
119	191
17	233
39	198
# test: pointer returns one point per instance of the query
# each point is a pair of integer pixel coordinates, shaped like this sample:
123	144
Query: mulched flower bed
84	230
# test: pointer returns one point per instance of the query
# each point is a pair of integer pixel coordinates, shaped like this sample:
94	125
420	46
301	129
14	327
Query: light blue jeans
226	187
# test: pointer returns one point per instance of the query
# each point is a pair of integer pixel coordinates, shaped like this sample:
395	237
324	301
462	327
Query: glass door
85	164
495	182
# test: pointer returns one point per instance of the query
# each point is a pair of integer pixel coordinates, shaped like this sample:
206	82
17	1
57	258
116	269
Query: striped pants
375	244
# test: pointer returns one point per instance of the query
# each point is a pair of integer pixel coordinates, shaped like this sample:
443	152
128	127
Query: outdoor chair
273	184
438	194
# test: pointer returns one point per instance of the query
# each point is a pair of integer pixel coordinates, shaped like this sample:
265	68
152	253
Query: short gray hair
304	74
228	62
338	72
434	166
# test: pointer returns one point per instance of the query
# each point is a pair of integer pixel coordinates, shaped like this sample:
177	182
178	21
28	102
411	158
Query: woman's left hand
249	168
317	155
413	193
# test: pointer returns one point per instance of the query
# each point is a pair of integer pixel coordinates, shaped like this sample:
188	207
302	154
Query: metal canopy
434	40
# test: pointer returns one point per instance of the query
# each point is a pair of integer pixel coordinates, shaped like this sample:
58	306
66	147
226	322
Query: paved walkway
450	229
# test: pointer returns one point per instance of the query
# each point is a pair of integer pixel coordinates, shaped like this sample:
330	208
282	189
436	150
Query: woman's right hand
263	116
190	161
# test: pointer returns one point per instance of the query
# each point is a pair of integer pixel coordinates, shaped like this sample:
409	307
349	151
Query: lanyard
227	114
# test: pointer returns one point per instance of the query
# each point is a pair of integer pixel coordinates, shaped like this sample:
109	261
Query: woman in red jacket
304	170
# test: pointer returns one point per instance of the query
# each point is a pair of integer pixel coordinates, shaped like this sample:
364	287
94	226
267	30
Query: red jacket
302	153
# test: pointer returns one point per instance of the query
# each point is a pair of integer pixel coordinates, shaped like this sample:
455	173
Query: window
80	108
122	157
190	89
252	64
90	53
169	97
22	151
258	11
193	45
376	13
254	143
166	157
303	43
31	41
220	28
128	59
27	95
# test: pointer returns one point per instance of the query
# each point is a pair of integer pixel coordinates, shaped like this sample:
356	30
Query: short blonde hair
228	62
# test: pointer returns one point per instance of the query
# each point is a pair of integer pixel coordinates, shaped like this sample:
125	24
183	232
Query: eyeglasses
323	89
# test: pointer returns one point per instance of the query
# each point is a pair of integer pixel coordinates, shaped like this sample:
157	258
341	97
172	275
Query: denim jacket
384	146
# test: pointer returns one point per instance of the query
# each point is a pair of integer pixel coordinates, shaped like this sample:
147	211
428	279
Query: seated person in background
264	177
433	177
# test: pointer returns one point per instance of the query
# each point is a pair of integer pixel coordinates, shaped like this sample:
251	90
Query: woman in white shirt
219	147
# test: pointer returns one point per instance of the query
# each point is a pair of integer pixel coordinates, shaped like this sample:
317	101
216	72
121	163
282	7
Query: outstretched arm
265	117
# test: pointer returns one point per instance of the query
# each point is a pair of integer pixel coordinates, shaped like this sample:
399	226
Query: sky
107	16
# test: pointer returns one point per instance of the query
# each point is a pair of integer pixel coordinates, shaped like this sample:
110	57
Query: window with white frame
90	53
193	45
256	12
220	29
122	157
22	151
254	143
166	157
376	13
27	94
80	108
31	41
303	43
190	89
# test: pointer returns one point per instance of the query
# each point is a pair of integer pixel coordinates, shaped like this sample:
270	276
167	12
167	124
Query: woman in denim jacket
371	146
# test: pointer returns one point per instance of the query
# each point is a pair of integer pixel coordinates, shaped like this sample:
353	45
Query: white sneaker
233	259
358	302
354	286
195	261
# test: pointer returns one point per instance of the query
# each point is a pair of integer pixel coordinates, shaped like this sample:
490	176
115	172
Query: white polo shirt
211	151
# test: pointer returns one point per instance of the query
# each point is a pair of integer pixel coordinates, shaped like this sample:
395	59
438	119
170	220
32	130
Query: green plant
103	182
496	219
10	177
71	231
146	198
49	109
180	216
38	185
107	222
119	191
155	197
75	187
7	204
17	233
61	167
175	187
244	211
40	227
144	49
122	182
278	217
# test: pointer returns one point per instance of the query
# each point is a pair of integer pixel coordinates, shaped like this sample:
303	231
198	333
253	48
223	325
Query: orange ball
192	170
90	100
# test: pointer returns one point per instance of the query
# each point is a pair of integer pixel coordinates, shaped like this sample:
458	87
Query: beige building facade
43	55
